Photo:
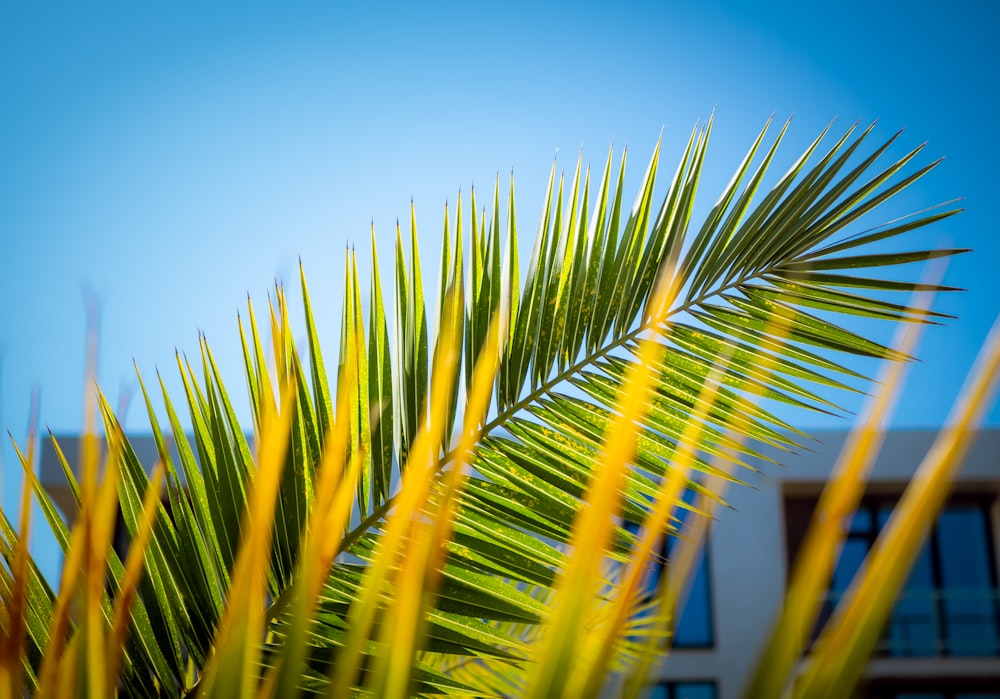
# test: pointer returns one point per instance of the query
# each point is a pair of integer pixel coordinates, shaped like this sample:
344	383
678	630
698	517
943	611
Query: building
943	641
50	474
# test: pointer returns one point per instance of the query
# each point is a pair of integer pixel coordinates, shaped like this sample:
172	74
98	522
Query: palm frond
770	281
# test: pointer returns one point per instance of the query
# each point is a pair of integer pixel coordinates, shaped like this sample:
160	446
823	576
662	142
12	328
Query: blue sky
173	159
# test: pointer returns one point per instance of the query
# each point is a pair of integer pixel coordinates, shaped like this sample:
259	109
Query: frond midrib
587	360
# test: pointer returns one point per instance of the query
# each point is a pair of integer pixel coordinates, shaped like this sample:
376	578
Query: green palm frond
570	333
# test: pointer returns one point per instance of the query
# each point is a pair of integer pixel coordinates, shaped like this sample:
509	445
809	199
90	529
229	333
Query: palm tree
448	515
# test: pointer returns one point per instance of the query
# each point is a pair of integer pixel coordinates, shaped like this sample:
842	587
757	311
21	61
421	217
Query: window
682	690
950	605
695	626
929	688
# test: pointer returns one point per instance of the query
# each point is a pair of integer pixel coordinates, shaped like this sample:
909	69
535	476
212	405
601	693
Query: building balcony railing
939	623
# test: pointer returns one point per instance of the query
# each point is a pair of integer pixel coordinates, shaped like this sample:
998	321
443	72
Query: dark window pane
694	628
851	557
861	522
884	512
694	690
967	593
962	536
921	580
914	628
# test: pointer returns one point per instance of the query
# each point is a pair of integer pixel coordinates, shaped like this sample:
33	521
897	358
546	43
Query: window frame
798	506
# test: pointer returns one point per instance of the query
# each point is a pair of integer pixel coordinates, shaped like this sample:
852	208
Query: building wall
748	554
51	469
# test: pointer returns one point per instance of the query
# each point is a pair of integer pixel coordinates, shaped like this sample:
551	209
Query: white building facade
943	641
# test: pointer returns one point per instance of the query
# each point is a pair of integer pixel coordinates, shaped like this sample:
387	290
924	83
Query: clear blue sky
174	158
